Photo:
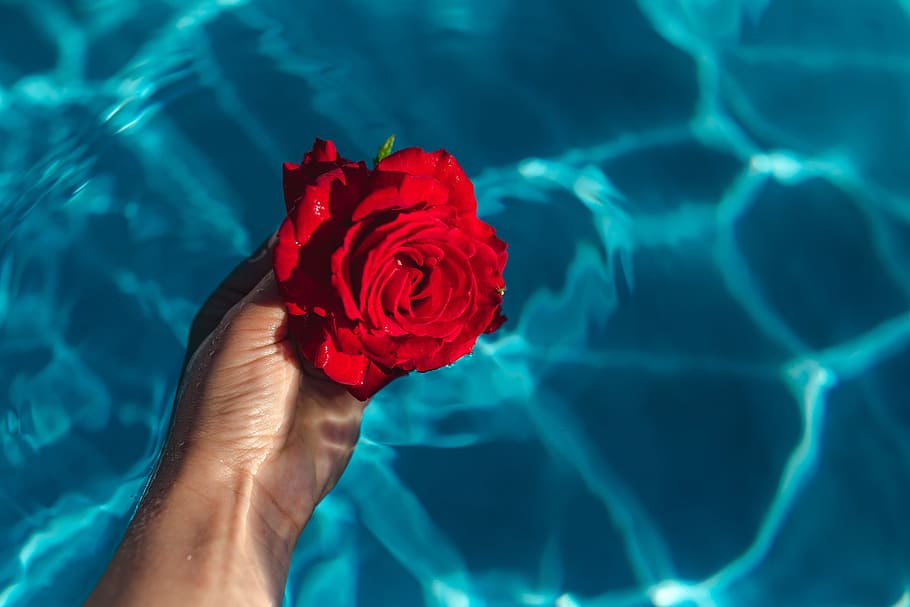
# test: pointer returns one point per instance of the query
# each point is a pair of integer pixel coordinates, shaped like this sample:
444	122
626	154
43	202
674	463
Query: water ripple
686	407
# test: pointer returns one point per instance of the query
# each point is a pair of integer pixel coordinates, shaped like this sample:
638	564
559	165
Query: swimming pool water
701	397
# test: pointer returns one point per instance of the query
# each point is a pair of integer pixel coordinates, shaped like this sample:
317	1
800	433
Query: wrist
231	505
202	535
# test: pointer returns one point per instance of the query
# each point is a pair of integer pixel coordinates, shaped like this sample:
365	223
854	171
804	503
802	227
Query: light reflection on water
700	396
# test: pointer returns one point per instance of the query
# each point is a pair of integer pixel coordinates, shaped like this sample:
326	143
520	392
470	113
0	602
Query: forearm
201	536
255	443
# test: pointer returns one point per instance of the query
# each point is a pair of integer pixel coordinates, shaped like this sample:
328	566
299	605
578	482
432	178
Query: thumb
232	289
260	317
260	320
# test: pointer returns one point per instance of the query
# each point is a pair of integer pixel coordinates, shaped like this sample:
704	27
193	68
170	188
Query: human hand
258	438
249	402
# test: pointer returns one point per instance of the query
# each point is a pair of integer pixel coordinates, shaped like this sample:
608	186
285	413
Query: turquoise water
701	397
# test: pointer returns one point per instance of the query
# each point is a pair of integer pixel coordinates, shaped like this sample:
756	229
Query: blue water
702	397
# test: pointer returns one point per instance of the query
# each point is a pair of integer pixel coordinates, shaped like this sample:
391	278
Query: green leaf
385	149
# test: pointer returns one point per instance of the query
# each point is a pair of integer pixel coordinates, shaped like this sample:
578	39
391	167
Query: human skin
258	438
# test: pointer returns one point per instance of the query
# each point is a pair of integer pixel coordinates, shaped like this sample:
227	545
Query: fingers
232	289
262	317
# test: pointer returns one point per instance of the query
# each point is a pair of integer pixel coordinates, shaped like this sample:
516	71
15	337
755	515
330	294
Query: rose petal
286	250
399	191
330	195
374	380
448	354
322	151
498	320
399	352
314	338
342	367
321	159
395	288
377	319
442	166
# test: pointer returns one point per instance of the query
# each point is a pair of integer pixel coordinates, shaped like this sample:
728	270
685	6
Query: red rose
385	271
